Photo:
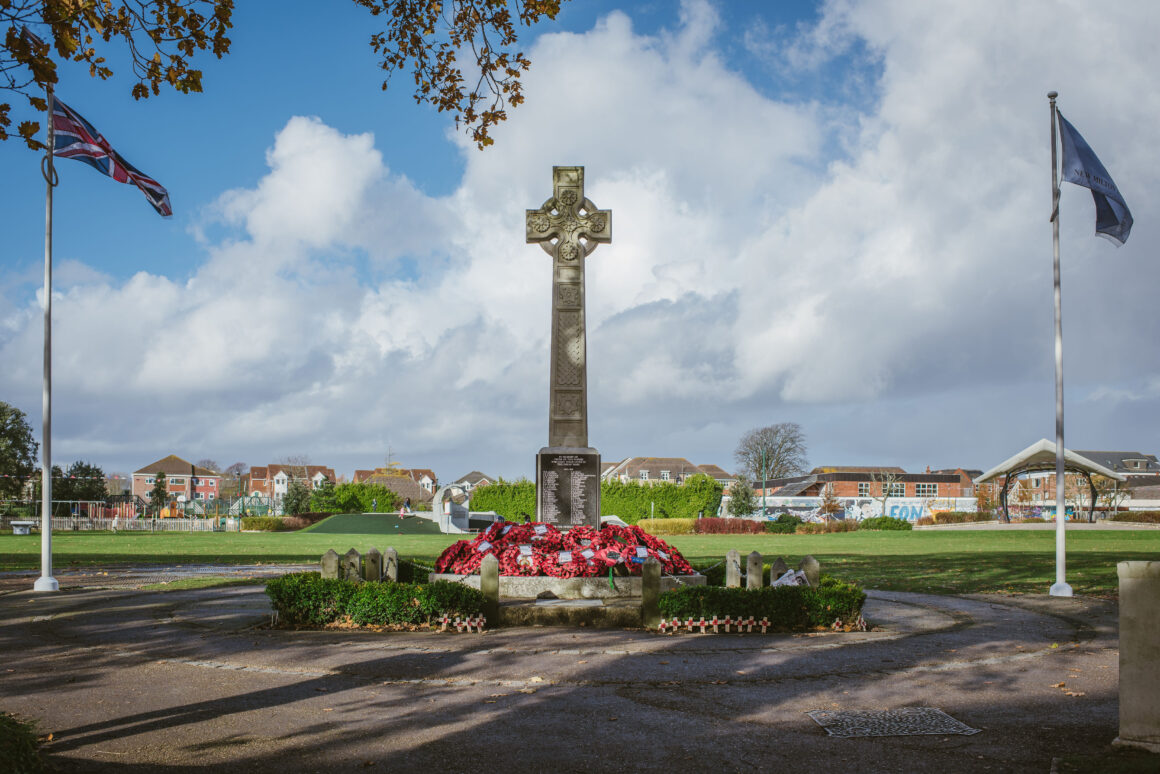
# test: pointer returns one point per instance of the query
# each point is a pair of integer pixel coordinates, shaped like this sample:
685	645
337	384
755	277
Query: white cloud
751	278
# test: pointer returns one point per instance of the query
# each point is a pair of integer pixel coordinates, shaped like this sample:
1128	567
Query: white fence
85	524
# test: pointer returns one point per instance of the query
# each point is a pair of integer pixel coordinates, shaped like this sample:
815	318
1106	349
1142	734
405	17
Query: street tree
233	478
81	481
160	38
210	465
742	501
297	498
159	494
830	504
776	451
17	451
887	480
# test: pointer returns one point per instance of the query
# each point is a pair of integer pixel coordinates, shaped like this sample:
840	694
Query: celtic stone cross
568	227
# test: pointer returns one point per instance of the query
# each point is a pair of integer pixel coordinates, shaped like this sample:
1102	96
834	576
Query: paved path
134	681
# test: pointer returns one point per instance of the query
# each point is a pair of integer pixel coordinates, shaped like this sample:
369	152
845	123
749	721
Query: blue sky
833	214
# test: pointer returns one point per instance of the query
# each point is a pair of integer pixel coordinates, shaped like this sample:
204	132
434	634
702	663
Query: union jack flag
77	139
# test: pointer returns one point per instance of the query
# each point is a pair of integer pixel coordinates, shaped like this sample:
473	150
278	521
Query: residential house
424	478
184	480
273	481
474	479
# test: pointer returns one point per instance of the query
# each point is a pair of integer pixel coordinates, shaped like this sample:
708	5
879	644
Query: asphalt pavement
198	681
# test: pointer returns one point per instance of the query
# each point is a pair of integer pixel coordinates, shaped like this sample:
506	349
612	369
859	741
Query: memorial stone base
568	486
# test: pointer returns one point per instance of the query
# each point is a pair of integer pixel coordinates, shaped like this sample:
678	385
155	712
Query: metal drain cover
905	721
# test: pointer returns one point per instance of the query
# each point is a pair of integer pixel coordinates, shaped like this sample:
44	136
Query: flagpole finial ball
1052	94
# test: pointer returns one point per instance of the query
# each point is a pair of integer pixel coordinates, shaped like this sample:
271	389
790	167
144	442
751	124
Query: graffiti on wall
859	508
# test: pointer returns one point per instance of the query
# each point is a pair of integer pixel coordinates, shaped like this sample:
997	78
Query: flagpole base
1060	589
46	583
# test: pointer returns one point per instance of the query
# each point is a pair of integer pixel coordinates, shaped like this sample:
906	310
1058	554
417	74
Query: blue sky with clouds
829	213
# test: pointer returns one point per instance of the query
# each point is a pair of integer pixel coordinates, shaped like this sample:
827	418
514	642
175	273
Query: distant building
273	481
845	481
184	480
650	470
474	479
424	478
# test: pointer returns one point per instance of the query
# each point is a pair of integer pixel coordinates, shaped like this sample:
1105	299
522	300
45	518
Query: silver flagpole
46	582
1060	587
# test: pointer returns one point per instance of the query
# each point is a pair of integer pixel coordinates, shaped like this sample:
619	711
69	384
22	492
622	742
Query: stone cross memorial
568	227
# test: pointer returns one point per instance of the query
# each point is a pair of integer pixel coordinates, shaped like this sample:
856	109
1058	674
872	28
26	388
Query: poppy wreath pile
581	552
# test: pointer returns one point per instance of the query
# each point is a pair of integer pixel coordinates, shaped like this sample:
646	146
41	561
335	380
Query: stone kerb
539	587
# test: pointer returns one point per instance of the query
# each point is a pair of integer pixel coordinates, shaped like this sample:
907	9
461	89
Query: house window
864	489
176	481
644	475
926	490
898	490
211	483
664	475
148	481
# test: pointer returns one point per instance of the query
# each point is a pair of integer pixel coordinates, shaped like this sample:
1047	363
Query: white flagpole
1060	588
46	582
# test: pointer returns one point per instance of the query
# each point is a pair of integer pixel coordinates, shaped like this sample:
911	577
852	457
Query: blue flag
1080	166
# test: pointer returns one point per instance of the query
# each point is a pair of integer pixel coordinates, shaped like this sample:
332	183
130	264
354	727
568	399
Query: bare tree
234	475
887	479
210	465
772	452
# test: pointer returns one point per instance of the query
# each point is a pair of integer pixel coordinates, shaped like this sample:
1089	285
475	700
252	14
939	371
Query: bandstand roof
1041	456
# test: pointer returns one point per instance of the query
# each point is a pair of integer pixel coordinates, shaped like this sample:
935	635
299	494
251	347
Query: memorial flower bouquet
581	552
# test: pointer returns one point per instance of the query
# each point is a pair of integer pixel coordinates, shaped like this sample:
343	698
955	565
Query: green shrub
785	524
788	608
1140	517
309	599
884	523
826	527
667	526
510	499
19	746
262	523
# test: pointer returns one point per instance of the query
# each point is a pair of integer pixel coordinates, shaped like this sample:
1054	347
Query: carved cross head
568	226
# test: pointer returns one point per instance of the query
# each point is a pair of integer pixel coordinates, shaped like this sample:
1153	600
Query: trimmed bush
716	526
262	523
962	517
784	524
884	523
826	527
307	598
667	526
1139	517
510	499
19	746
631	501
788	608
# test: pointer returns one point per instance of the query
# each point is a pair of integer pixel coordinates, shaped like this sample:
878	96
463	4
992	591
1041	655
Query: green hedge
884	523
630	501
306	598
510	499
788	608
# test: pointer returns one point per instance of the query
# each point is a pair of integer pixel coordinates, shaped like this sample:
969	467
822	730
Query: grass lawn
940	562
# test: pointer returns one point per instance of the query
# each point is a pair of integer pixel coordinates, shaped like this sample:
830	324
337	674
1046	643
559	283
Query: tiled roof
175	466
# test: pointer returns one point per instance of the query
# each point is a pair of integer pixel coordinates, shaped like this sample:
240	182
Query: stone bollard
373	565
650	593
1139	655
329	564
489	585
813	570
351	566
391	565
778	569
754	569
733	569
